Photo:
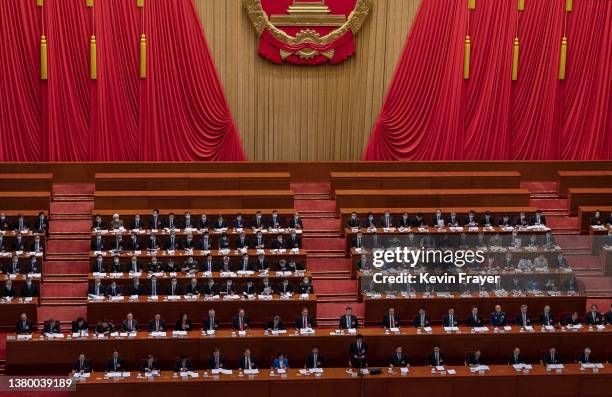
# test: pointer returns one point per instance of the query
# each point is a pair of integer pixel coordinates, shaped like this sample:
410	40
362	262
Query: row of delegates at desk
194	287
499	318
29	289
172	242
462	240
15	266
183	363
203	222
191	265
439	219
20	223
598	219
21	243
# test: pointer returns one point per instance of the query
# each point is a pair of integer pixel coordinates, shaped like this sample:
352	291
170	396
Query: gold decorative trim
260	21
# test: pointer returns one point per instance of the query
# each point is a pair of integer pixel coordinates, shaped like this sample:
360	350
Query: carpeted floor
540	187
329	264
315	205
550	204
311	187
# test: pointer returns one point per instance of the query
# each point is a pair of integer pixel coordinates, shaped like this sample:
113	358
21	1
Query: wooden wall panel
287	112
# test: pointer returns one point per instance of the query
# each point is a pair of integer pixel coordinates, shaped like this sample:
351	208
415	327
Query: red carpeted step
322	224
70	208
315	205
68	246
324	244
322	264
597	286
540	186
311	187
64	226
61	313
49	290
584	262
562	222
574	241
67	267
335	310
73	189
327	287
550	204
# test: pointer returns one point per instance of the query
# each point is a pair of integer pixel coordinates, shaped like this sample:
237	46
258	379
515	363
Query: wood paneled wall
287	112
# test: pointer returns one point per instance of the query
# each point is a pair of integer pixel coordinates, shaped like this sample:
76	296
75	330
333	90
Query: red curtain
20	89
431	113
178	112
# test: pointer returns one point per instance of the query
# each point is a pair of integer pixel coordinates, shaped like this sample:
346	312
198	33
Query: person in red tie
304	321
240	322
391	320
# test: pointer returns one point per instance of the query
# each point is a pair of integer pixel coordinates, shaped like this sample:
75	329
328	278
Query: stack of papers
251	371
189	374
82	375
520	367
479	368
221	371
554	366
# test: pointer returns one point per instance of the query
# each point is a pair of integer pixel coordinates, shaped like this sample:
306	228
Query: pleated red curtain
432	113
178	113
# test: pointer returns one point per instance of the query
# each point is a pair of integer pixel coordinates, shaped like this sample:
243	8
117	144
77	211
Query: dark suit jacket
352	322
295	225
472	360
477	322
179	323
310	322
9	293
431	359
236	325
583	359
608	317
30	291
41	246
542	220
310	362
194	290
124	325
77	328
140	290
177	289
279	326
593	321
417	321
133	245
212	364
22	328
516	360
357	354
386	322
519	320
400	361
154	366
446	321
162	325
85	366
112	367
551	319
41	226
97	246
243	362
49	328
548	359
207	322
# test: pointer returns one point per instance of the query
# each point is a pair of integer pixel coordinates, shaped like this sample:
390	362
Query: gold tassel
143	56
563	58
521	5
569	5
93	70
39	3
140	3
43	57
89	3
466	58
515	59
471	4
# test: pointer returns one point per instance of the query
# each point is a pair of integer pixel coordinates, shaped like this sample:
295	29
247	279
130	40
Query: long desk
585	212
417	344
432	197
588	197
109	200
502	380
26	182
193	181
426	180
259	311
23	201
10	312
583	179
437	307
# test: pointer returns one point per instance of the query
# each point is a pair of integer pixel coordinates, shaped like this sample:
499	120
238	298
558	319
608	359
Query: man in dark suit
215	361
259	222
353	221
249	288
304	320
608	316
487	219
220	223
20	243
97	243
137	223
450	319
245	265
538	218
276	324
206	242
475	359
516	357
51	326
174	288
117	245
275	221
260	265
522	220
41	225
348	320
98	266
470	219
474	319
418	220
358	352
421	320
224	242
247	361
114	289
33	266
129	324
438	219
192	288
285	287
24	325
154	287
357	241
211	323
259	242
81	365
242	241
240	322
149	364
391	320
9	291
80	324
13	267
523	319
306	286
547	318
239	222
104	327
153	242
98	223
436	358
208	265
586	357
172	244
183	364
115	363
155	222
293	241
386	221
38	245
551	357
314	359
210	288
29	290
594	317
398	358
157	324
296	222
133	244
